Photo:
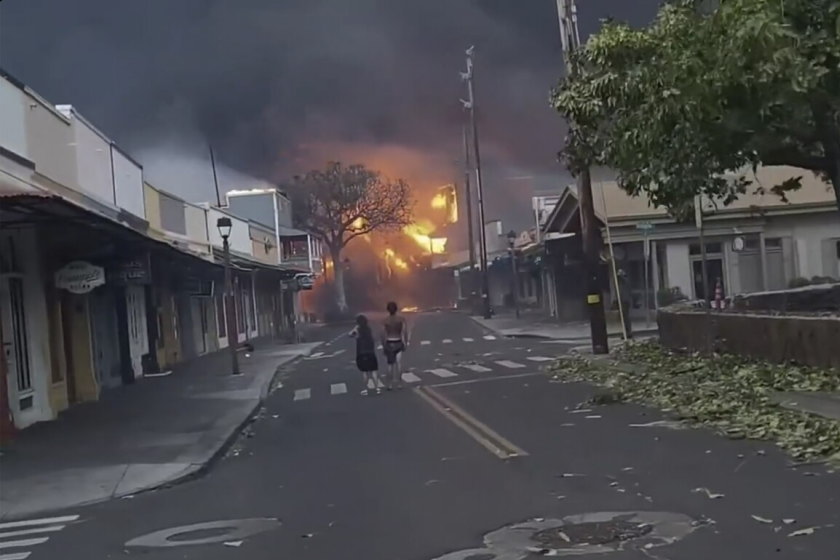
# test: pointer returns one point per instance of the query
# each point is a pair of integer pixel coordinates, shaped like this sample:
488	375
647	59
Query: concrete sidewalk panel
139	438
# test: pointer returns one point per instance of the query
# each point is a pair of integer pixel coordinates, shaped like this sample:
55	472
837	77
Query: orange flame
420	232
439	201
392	258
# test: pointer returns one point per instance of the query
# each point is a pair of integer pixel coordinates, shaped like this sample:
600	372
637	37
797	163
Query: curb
197	470
191	472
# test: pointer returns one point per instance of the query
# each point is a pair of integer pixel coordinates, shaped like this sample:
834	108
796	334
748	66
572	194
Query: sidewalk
156	432
538	325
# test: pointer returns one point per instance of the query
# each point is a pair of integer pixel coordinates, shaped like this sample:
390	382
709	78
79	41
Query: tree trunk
834	175
338	280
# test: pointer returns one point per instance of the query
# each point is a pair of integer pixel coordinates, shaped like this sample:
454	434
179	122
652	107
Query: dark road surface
488	441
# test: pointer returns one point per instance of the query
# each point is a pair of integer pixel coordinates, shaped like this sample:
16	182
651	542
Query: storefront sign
79	277
133	271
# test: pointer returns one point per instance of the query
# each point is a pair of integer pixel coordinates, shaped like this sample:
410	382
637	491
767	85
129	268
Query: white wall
808	231
678	267
128	183
92	152
49	141
197	230
13	118
240	238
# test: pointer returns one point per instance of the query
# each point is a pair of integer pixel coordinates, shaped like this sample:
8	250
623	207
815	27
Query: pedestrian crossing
466	339
416	377
19	539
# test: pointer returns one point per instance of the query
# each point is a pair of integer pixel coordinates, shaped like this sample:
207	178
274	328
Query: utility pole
215	178
468	77
570	37
470	236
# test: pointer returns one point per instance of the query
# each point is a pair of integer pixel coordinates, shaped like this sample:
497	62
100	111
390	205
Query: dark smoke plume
279	86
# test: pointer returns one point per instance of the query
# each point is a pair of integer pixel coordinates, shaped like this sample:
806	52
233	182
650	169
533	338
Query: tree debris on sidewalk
729	393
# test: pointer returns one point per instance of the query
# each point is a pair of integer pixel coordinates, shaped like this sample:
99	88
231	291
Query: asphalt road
479	440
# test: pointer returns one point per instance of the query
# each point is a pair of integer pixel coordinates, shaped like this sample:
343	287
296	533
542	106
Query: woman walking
366	355
395	341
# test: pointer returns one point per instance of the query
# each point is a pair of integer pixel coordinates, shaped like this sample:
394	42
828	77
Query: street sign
645	226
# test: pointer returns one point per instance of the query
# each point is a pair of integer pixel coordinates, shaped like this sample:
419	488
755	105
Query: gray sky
279	86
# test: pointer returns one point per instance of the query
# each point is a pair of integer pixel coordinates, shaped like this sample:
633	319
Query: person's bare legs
377	381
366	377
398	370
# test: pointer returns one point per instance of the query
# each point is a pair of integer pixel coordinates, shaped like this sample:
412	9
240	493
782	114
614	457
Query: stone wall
805	339
811	299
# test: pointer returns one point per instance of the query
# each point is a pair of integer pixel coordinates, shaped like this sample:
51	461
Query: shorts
367	362
392	348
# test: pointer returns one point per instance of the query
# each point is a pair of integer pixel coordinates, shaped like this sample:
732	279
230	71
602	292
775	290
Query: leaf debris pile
731	394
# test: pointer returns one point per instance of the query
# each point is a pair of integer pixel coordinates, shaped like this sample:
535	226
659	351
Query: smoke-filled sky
279	86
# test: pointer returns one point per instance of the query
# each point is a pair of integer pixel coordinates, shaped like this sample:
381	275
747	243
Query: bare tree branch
340	203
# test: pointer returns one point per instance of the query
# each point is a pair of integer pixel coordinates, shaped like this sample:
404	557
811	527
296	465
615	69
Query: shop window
711	248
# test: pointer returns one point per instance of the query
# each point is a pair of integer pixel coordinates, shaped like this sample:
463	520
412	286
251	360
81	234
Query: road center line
480	432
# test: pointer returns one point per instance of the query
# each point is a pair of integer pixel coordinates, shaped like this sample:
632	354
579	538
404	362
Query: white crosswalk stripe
509	364
467	339
338	388
425	342
32	531
489	337
447	341
11	531
410	378
540	359
23	543
476	368
303	394
440	372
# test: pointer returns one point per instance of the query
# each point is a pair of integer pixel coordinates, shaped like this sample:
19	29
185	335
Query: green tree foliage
680	106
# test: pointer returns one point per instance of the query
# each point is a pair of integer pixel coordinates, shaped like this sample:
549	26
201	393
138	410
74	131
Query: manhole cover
578	534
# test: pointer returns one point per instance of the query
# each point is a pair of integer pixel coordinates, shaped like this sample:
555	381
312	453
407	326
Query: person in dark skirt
366	355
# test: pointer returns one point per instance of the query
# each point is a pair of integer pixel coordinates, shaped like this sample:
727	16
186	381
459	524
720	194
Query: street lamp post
224	226
514	280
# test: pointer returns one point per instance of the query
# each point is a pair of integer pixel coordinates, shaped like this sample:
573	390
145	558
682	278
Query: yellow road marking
480	432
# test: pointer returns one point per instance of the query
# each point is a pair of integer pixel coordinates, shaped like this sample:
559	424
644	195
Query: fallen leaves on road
729	393
233	544
803	532
711	495
762	519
